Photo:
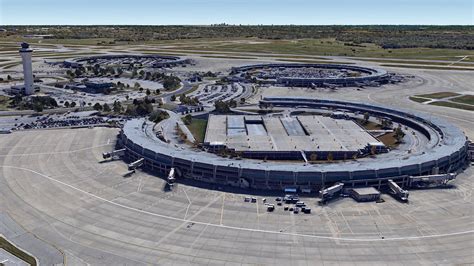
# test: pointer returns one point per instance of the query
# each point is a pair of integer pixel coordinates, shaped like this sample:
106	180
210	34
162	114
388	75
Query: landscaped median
446	99
17	252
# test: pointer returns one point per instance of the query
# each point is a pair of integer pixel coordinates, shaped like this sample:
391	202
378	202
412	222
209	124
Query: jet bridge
400	193
113	154
138	163
330	192
431	180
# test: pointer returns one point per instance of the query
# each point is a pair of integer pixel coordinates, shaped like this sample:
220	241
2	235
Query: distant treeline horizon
386	36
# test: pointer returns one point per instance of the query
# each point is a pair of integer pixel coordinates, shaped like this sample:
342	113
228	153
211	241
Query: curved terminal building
444	150
154	61
307	75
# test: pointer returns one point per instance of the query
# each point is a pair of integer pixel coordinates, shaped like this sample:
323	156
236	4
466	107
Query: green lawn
429	67
198	129
454	105
466	99
418	100
10	248
4	102
228	57
410	62
309	61
438	95
328	47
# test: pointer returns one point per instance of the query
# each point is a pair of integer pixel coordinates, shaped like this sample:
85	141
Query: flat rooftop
364	191
286	133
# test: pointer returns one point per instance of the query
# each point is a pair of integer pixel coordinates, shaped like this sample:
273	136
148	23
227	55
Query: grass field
409	62
418	100
438	95
389	140
313	61
454	105
10	248
369	125
198	129
301	47
329	47
10	64
228	57
429	67
4	102
195	87
466	99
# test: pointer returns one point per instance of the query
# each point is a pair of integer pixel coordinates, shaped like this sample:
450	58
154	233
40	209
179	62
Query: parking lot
212	93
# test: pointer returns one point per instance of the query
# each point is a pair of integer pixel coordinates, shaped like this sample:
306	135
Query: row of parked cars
288	199
65	122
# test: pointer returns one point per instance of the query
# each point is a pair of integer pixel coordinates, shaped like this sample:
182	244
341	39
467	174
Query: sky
246	12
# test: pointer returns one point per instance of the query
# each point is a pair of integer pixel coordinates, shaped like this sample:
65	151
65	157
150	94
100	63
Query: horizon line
240	25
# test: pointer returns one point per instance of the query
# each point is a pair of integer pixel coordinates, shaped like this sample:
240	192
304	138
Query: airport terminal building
445	152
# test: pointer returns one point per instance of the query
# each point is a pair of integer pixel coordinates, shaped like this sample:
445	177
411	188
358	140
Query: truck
171	177
270	207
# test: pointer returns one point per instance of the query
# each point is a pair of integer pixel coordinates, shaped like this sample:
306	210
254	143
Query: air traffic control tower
25	53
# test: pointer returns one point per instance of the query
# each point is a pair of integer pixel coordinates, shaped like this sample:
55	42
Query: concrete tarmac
56	186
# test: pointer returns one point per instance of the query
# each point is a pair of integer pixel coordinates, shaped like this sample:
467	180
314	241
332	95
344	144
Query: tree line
386	36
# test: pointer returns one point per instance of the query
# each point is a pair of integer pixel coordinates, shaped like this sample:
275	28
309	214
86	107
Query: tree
173	98
117	107
157	92
222	107
158	116
188	119
330	156
9	77
66	104
136	85
242	100
73	104
366	117
78	72
171	82
148	92
386	123
399	134
38	107
97	107
106	107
